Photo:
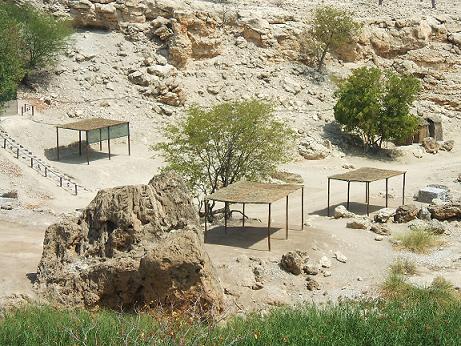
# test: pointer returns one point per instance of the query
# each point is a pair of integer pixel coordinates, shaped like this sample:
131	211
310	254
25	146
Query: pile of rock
314	148
298	262
159	81
8	199
132	246
432	146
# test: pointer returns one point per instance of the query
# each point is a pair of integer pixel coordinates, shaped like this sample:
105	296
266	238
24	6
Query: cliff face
175	53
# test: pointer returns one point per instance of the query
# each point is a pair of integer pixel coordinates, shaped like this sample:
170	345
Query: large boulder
384	215
342	212
430	145
406	213
133	246
359	223
446	211
178	271
293	262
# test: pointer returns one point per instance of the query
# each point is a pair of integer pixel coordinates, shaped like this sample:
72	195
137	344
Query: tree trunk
322	58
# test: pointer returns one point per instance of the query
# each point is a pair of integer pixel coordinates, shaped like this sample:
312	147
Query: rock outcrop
444	212
133	246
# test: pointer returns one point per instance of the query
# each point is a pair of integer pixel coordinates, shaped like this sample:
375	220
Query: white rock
358	224
384	215
326	273
325	262
342	212
340	257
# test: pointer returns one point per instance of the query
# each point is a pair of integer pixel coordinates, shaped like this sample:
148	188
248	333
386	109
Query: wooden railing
21	153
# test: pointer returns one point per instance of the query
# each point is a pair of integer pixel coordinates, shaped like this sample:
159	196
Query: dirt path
20	252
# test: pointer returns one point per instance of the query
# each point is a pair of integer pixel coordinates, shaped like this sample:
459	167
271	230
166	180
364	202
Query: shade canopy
253	193
91	124
96	130
366	174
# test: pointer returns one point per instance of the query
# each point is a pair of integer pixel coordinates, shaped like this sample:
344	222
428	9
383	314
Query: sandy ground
240	256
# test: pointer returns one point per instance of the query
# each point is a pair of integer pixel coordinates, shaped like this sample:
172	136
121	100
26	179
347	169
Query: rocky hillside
152	58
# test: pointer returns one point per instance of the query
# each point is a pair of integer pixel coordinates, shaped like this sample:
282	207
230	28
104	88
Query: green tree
42	36
213	148
376	105
11	63
331	30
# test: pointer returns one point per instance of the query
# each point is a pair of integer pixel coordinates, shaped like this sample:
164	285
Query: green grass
419	240
410	316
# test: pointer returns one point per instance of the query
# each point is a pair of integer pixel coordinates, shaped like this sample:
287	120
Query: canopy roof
91	124
253	193
366	174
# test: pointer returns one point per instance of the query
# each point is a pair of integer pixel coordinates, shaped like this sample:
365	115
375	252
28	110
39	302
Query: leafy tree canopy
331	29
212	148
29	39
11	63
376	105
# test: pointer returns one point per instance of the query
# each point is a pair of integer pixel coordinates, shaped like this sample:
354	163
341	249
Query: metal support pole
80	143
4	143
33	110
225	217
403	189
129	140
206	217
87	149
76	192
387	192
108	140
17	153
368	198
57	141
60	181
100	139
269	227
46	171
348	194
286	218
243	218
328	213
302	208
366	191
31	162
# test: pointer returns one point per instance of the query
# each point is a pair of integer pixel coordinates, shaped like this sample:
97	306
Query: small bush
403	266
419	240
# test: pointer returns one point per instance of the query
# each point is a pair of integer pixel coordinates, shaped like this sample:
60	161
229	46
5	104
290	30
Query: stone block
428	193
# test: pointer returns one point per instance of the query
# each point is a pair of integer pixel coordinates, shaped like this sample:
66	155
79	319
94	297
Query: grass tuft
403	266
419	240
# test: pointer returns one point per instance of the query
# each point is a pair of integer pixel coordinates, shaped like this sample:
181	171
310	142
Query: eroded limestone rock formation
133	246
